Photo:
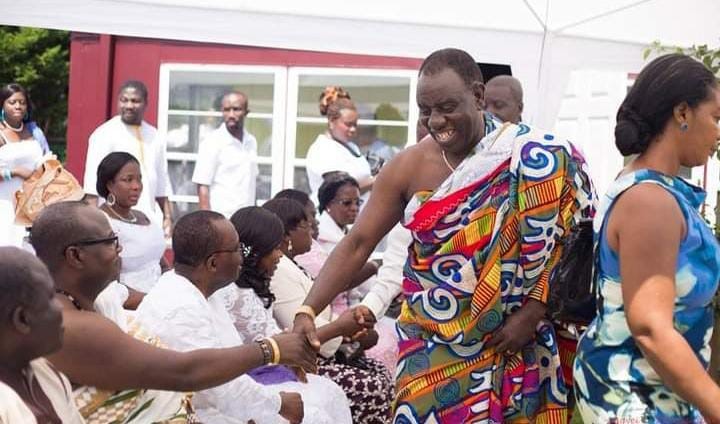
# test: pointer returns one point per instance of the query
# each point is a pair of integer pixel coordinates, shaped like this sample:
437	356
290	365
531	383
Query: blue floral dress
613	380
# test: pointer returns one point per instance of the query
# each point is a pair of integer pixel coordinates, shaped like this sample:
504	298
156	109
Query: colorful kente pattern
484	243
613	380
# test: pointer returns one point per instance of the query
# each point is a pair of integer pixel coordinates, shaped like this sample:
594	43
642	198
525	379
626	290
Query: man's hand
291	407
518	329
296	351
168	226
305	326
368	340
356	322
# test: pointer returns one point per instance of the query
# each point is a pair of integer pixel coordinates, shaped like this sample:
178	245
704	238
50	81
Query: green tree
38	59
707	55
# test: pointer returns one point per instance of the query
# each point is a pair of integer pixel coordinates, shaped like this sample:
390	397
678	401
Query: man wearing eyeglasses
77	244
226	168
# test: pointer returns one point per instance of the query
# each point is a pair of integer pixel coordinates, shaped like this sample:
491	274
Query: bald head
504	98
63	224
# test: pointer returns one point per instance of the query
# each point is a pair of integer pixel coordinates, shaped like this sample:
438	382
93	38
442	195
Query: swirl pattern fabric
614	380
484	243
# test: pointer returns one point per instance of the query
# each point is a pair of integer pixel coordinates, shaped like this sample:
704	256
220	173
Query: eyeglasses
111	240
348	202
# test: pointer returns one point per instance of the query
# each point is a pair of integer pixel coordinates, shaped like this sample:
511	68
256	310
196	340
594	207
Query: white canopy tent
542	40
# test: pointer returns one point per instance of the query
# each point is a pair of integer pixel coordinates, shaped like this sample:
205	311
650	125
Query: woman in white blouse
20	154
334	150
119	182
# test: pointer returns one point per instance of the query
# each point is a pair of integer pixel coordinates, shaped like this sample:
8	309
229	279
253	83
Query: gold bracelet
307	310
275	349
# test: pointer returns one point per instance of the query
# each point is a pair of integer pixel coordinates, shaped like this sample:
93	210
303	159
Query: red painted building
184	80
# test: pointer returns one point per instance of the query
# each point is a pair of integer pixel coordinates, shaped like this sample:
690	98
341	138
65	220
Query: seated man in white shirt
208	256
128	132
105	360
226	169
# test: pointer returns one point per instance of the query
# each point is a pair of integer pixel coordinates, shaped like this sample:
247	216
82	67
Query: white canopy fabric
542	40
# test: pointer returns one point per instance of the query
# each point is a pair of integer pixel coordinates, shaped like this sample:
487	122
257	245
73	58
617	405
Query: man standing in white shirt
128	132
226	169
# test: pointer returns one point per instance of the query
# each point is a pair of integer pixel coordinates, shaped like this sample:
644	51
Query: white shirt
388	282
183	319
229	167
327	155
56	387
291	286
115	136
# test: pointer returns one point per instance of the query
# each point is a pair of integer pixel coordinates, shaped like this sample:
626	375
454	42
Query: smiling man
128	132
487	204
226	168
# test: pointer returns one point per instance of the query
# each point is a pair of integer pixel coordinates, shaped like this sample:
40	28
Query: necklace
133	218
17	130
71	298
452	168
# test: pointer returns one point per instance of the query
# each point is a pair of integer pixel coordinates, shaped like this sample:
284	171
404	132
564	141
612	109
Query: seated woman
31	389
119	182
339	204
366	382
385	350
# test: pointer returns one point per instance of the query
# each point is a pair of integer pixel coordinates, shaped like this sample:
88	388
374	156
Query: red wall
100	63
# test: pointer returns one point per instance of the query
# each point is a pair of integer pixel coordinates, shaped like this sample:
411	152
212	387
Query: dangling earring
26	117
684	126
290	246
110	200
2	115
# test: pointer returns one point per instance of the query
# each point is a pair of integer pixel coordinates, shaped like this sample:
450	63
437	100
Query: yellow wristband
307	310
275	349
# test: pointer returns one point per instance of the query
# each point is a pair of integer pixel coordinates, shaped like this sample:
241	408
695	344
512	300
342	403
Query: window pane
306	134
180	172
182	208
300	180
261	128
264	182
194	90
185	132
386	97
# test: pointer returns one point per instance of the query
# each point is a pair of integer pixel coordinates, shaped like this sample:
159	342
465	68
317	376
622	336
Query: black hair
57	226
291	212
20	272
294	194
332	182
139	86
663	84
8	90
458	60
262	231
195	237
109	168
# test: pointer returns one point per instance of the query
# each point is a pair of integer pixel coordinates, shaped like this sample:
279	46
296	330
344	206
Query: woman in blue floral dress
645	356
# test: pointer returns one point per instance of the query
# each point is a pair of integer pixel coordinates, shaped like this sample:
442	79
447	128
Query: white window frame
291	119
277	156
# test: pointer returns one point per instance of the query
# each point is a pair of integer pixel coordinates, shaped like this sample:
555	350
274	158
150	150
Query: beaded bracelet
275	350
267	351
6	174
